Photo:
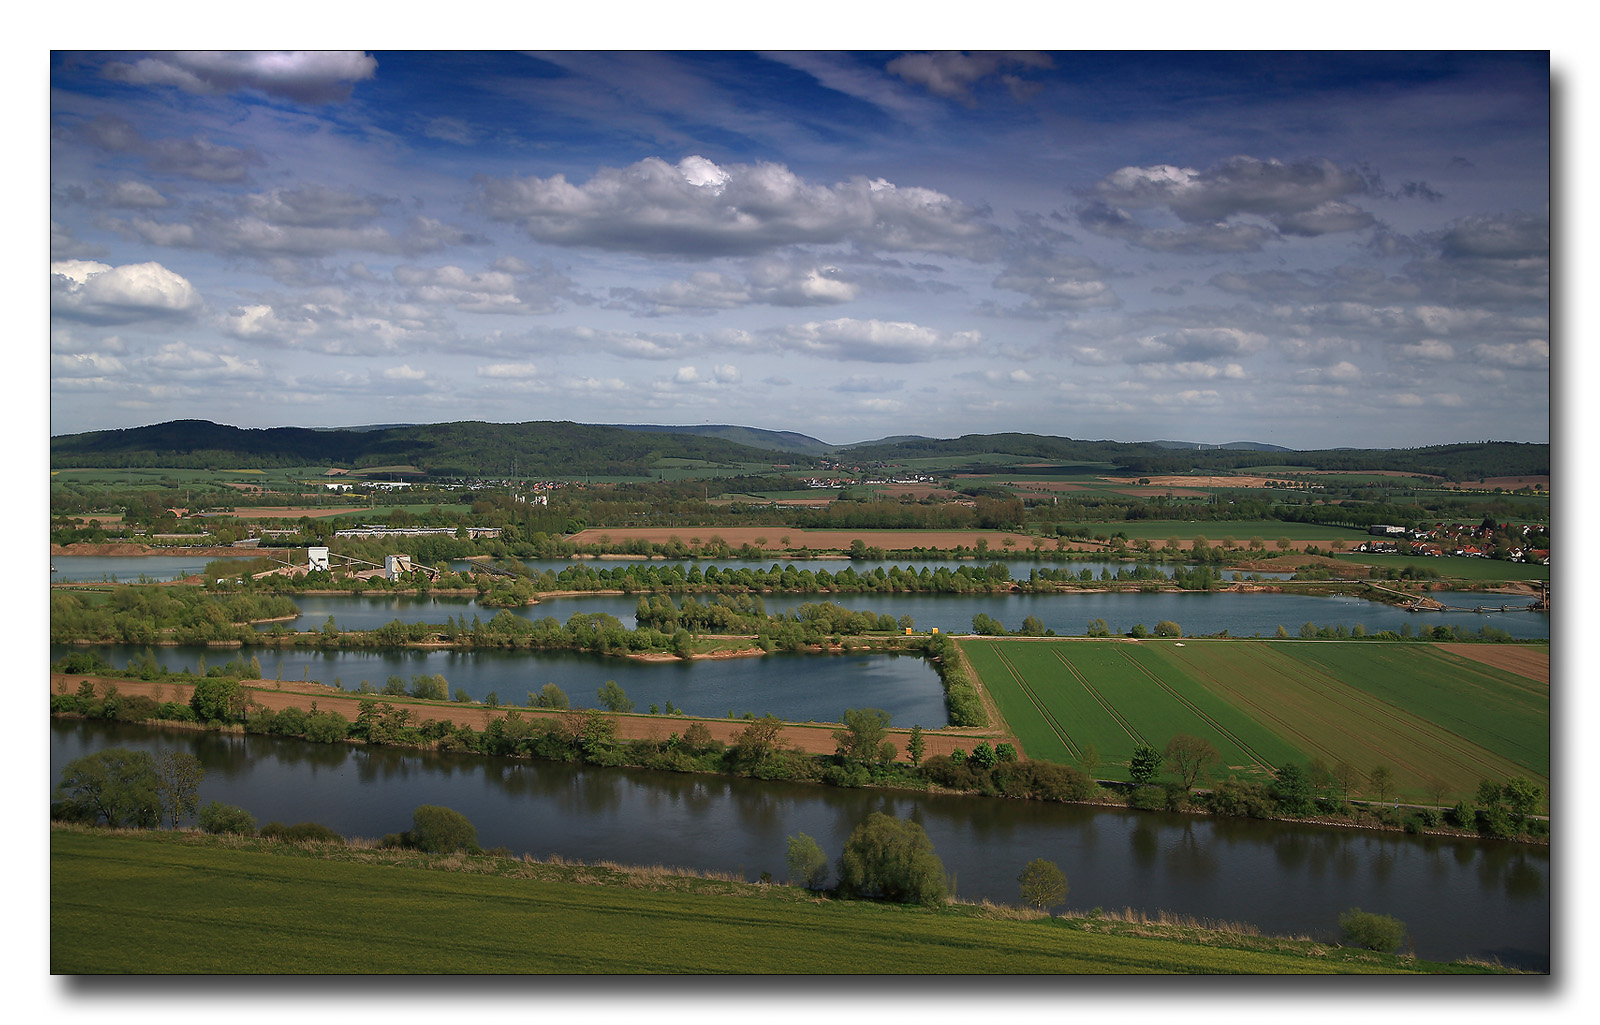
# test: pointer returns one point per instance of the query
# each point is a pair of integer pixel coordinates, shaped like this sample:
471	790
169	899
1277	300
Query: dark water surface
1458	898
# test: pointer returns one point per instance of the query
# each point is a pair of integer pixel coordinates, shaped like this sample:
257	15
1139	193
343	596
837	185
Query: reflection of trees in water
1144	845
1514	869
1190	856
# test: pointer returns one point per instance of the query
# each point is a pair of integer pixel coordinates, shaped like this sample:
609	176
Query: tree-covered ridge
543	448
466	448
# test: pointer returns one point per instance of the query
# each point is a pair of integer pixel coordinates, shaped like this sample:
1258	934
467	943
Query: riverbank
309	905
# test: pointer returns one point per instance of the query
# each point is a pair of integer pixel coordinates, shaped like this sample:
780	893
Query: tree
1188	757
1291	788
1381	779
613	698
983	756
1144	764
217	699
757	741
551	696
1347	776
1043	884
1522	796
1098	628
893	859
440	830
917	746
116	784
1088	759
808	866
1167	628
863	735
178	776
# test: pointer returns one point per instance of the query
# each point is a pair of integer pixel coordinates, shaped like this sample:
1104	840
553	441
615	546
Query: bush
893	859
1242	799
438	830
301	832
326	727
1148	798
1374	932
216	817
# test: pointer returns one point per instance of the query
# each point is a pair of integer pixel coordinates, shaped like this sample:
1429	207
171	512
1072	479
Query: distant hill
1248	446
466	449
564	449
755	437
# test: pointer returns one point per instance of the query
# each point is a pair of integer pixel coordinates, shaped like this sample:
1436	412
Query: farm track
1093	692
1048	716
1199	713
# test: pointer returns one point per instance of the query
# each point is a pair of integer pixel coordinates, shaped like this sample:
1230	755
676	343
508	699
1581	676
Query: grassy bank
161	902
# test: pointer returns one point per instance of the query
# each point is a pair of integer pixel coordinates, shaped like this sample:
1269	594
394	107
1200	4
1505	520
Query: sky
1310	250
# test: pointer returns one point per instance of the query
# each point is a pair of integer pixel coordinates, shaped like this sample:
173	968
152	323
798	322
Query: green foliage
893	859
551	696
302	832
115	785
916	746
216	817
1043	884
1291	789
216	699
440	830
1144	764
807	864
613	698
1372	931
1167	628
864	734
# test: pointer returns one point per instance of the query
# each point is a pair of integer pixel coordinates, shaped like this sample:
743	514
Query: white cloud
403	372
877	341
509	371
98	292
1533	354
1429	350
700	209
305	76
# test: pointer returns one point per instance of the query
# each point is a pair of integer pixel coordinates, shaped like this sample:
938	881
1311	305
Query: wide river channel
1458	898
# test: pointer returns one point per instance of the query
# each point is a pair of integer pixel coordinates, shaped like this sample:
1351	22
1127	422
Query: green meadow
1423	711
163	903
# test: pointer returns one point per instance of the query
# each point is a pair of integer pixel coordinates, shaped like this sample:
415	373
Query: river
1458	898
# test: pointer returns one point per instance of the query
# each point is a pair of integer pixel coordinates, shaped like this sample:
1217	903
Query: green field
1417	708
161	902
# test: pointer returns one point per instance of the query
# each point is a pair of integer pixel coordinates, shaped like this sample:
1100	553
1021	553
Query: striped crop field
1423	711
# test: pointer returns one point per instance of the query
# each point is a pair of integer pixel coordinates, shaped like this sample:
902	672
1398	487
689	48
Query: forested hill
555	449
1468	461
564	449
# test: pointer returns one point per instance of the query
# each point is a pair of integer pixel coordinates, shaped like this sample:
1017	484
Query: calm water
1198	612
1458	898
799	688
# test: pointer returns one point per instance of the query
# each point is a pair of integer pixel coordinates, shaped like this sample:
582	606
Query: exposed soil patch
1533	663
276	695
126	548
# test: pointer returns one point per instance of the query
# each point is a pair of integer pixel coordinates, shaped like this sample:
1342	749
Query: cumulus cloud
699	209
1220	237
877	341
403	372
1058	283
304	76
98	292
492	291
509	371
952	74
769	281
134	194
1533	354
1429	350
864	383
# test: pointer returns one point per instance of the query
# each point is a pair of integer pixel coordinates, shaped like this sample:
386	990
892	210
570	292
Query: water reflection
1457	897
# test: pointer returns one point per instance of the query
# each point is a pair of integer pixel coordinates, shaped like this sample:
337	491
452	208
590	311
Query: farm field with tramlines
1421	709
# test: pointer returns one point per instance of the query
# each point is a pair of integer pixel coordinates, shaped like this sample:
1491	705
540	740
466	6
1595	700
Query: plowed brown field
813	540
1534	663
276	695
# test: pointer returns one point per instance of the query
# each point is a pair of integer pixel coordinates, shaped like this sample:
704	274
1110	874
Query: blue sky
1310	250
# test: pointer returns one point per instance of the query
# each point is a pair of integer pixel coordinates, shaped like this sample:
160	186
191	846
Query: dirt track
278	695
